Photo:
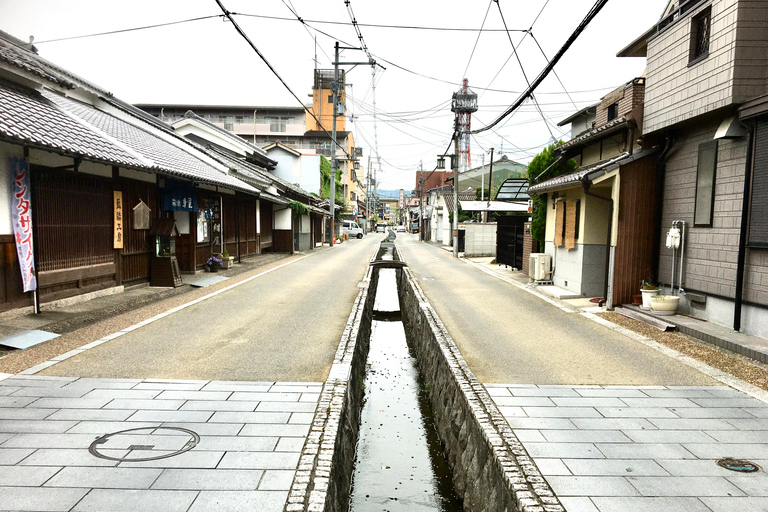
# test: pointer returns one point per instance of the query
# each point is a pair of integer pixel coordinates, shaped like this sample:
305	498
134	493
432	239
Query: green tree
541	169
325	184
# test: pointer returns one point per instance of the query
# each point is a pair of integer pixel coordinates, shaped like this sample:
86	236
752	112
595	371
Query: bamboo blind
570	224
559	223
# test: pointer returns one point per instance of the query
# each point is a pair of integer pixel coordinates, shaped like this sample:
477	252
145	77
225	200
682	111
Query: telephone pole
336	86
332	206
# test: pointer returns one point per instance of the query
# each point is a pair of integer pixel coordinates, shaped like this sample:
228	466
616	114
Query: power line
514	50
537	81
553	71
478	38
134	29
274	72
375	25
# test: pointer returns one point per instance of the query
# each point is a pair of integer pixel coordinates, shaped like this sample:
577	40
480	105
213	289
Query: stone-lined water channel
399	465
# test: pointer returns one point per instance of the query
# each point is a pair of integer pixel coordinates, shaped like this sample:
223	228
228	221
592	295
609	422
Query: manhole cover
144	444
742	466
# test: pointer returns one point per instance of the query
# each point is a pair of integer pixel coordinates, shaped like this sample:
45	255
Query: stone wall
492	472
323	480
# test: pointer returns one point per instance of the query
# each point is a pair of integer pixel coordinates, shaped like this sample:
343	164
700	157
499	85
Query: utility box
539	266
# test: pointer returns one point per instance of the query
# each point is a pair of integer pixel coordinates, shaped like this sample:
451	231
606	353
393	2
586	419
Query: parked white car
352	229
401	229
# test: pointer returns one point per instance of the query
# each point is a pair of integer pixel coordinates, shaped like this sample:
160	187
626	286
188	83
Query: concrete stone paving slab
209	479
624	467
41	499
236	501
245	459
731	504
26	476
658	451
630	504
119	500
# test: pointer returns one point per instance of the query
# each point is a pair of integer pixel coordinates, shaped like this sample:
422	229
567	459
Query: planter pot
637	299
647	295
664	304
227	262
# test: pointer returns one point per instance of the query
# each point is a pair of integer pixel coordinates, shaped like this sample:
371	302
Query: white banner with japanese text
22	222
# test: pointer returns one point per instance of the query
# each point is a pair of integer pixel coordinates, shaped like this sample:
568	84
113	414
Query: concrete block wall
480	239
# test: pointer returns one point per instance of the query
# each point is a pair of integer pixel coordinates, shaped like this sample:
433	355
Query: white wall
283	218
480	239
310	173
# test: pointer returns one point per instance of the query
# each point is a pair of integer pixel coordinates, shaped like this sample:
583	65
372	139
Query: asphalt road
284	326
508	335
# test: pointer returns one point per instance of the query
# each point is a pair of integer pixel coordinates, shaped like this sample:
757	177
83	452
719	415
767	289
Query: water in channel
399	465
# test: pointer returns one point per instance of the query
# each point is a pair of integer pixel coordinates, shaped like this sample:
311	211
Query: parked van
352	229
381	227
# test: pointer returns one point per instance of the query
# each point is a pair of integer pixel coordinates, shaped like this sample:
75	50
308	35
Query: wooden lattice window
700	32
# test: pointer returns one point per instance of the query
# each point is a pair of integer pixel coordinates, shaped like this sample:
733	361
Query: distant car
381	228
401	229
352	229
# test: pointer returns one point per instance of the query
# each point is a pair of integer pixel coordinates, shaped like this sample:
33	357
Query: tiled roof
590	171
225	133
249	169
24	56
593	133
27	117
165	157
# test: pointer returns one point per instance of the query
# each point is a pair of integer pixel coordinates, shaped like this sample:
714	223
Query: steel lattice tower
463	104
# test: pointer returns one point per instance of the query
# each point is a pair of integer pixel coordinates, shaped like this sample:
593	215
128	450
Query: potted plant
664	304
648	290
227	260
213	263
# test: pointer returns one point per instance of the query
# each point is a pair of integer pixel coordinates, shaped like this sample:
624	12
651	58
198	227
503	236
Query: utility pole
334	162
455	163
335	87
421	201
490	179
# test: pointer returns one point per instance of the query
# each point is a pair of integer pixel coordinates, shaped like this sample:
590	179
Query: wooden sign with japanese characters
119	225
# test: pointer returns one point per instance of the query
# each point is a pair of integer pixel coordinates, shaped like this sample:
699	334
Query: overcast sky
207	61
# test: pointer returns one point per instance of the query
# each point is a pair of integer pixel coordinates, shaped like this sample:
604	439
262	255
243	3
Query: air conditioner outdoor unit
538	266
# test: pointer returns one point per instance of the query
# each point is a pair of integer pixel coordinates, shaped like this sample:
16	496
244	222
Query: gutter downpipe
742	255
661	171
586	183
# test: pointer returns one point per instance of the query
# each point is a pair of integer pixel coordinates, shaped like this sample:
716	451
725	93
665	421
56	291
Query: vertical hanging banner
118	242
21	212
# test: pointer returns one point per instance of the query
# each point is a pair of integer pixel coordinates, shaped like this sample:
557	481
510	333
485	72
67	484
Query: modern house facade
707	80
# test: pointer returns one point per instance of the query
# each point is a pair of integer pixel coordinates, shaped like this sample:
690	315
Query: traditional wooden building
99	173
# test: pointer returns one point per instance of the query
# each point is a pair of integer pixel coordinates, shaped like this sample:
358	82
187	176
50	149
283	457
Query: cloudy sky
426	46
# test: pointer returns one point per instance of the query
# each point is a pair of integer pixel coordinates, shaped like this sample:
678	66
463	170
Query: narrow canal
399	465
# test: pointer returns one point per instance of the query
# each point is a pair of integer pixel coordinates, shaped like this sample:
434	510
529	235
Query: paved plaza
638	448
190	446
